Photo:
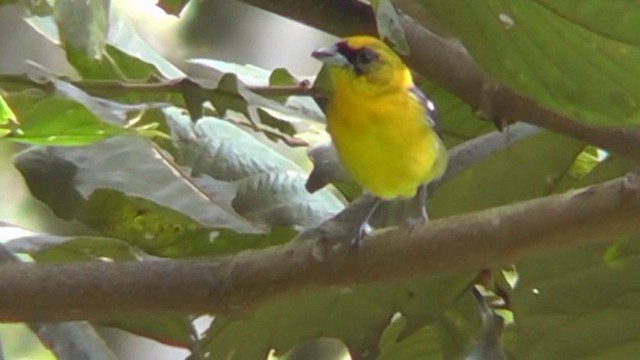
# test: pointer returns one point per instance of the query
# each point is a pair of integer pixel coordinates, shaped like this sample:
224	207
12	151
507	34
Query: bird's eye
365	57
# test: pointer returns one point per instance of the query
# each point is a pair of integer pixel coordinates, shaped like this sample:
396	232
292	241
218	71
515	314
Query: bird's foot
361	233
413	223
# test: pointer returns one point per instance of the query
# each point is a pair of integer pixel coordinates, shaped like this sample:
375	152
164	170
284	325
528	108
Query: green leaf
124	37
448	336
115	64
269	188
213	70
529	168
455	118
173	330
83	25
7	118
230	94
7	2
607	169
226	86
56	121
128	189
357	315
38	7
578	304
282	76
283	126
173	6
585	162
576	59
52	248
389	26
163	231
6	115
126	56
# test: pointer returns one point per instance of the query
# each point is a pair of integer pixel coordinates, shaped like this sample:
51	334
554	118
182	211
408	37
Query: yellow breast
384	142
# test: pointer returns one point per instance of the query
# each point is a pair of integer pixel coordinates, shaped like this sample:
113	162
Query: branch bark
498	236
448	63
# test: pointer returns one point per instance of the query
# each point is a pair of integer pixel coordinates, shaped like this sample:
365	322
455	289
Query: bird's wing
431	114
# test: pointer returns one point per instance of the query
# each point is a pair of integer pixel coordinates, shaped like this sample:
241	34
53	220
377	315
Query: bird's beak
330	56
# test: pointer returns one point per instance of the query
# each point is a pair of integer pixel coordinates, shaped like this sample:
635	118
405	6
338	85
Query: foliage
158	163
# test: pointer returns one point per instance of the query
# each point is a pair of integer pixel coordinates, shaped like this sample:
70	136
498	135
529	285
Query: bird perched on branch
381	124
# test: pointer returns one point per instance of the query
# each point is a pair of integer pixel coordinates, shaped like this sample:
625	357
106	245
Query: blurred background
223	29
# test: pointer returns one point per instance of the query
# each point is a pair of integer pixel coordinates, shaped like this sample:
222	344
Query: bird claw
413	223
361	233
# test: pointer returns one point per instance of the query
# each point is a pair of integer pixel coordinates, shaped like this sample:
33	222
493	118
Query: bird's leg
423	216
422	200
362	231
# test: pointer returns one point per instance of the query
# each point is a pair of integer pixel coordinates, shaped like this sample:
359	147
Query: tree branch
111	88
448	63
241	282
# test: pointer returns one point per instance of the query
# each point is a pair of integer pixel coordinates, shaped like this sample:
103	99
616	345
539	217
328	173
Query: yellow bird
382	126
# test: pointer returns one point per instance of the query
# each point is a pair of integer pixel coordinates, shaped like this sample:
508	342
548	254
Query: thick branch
492	237
448	63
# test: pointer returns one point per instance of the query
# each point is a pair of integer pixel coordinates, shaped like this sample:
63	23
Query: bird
382	126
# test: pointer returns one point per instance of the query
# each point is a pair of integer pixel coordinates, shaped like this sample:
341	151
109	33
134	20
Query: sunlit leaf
56	121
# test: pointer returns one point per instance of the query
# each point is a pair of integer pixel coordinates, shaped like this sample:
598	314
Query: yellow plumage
379	123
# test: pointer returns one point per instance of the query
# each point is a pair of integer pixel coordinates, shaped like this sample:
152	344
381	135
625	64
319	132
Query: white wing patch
431	115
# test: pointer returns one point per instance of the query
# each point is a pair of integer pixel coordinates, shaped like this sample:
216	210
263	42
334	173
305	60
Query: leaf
6	115
51	248
7	118
269	187
173	330
356	315
230	94
282	76
389	26
124	37
578	304
128	190
126	56
283	126
174	7
56	121
114	65
226	86
455	118
107	110
162	231
576	59
213	71
175	214
607	169
37	7
83	25
7	2
445	337
530	168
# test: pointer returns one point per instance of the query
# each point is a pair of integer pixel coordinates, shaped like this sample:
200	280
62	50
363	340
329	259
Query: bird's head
364	63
